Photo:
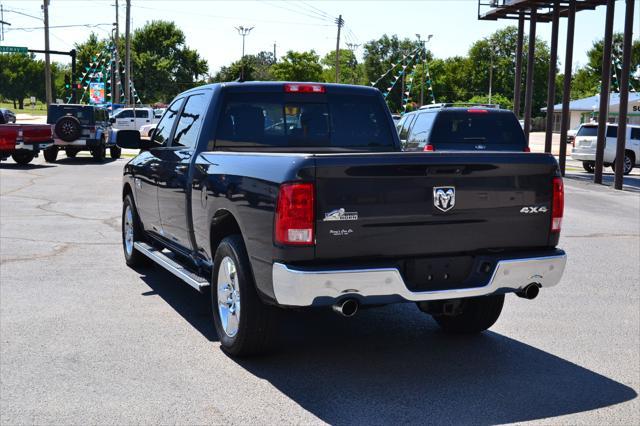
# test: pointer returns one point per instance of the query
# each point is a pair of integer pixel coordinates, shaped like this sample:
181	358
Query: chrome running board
194	280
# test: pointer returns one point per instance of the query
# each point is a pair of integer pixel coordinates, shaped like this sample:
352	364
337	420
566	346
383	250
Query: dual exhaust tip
347	307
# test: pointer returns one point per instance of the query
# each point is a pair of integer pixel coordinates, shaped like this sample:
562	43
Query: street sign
13	49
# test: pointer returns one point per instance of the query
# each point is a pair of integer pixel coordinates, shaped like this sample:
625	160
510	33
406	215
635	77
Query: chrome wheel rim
128	230
228	297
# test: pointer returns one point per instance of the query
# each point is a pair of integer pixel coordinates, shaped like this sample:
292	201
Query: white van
585	146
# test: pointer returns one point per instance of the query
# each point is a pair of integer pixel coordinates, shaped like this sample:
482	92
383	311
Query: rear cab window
477	126
316	121
586	131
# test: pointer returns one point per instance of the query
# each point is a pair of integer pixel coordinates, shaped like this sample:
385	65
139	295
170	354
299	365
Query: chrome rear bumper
296	287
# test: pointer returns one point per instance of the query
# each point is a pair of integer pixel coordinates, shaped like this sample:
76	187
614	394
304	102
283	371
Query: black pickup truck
280	195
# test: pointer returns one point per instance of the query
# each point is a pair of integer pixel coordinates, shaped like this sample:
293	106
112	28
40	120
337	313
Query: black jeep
80	128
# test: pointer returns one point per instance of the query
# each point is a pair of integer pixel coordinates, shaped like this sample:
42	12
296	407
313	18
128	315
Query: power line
56	26
314	16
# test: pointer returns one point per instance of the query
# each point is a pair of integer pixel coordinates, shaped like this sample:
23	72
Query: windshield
314	121
588	131
477	126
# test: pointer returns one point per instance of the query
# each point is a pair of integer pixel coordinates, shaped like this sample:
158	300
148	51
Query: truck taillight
429	148
557	207
294	220
527	149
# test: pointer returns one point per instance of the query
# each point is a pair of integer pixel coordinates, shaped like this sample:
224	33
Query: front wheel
99	153
627	163
115	152
23	157
472	315
244	324
50	154
71	153
131	232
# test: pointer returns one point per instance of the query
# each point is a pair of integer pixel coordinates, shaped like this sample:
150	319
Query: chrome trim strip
167	264
294	287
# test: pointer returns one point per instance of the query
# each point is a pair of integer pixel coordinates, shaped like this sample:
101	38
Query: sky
298	25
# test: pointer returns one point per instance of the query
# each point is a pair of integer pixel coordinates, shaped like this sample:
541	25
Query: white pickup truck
132	119
586	140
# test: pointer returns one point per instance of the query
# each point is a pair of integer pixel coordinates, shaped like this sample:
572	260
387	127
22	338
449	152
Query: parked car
157	112
453	128
147	129
7	116
586	141
396	118
327	211
80	128
132	119
23	142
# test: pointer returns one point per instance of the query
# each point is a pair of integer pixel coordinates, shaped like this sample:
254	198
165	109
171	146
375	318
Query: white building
586	109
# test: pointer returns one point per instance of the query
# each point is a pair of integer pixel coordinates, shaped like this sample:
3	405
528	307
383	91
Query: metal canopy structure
551	11
492	10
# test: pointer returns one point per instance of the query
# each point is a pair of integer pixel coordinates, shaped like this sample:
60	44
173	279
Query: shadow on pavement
393	365
80	161
629	182
30	166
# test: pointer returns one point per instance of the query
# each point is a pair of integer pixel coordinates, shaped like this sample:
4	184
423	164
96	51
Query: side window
422	128
401	122
635	133
190	122
142	113
404	131
163	131
612	131
127	113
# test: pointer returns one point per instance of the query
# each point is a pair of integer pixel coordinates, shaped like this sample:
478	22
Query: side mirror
129	139
112	120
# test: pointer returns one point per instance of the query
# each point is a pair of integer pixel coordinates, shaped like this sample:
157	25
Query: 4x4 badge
444	197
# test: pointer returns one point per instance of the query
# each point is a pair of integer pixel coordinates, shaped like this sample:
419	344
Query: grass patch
40	108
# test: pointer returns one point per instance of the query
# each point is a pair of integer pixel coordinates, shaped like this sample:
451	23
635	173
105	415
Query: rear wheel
22	157
589	166
99	153
131	232
115	152
471	315
244	324
50	154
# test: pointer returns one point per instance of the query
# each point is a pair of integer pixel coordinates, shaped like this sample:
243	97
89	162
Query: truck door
173	181
124	120
147	169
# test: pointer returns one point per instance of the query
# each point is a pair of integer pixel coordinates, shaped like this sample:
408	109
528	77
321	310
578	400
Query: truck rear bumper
303	287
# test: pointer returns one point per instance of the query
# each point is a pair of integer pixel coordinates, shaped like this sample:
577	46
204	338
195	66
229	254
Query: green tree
298	66
162	64
21	76
256	68
350	73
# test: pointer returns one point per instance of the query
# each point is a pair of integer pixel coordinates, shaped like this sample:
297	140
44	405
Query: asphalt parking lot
86	340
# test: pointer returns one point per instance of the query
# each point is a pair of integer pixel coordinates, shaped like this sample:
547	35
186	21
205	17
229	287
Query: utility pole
490	76
340	23
424	66
2	23
127	58
47	63
275	58
244	31
115	90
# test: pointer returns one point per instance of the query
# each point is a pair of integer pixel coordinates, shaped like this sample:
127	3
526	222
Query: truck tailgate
374	204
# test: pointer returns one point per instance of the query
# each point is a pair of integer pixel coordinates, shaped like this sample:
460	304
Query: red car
23	142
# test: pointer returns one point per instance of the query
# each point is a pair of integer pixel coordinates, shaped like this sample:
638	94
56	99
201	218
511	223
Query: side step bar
194	280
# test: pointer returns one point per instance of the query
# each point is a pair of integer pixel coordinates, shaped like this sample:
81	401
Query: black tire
628	162
68	128
51	154
257	321
132	256
477	315
115	152
23	157
71	153
588	166
99	153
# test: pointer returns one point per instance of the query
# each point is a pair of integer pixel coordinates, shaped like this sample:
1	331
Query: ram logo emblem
444	197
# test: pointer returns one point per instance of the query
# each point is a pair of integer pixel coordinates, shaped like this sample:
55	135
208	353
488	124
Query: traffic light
67	81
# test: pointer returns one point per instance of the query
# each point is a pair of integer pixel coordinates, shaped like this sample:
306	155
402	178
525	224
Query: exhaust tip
346	308
529	292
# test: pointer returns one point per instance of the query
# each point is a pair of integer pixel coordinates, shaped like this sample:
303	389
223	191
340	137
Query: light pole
424	65
243	31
